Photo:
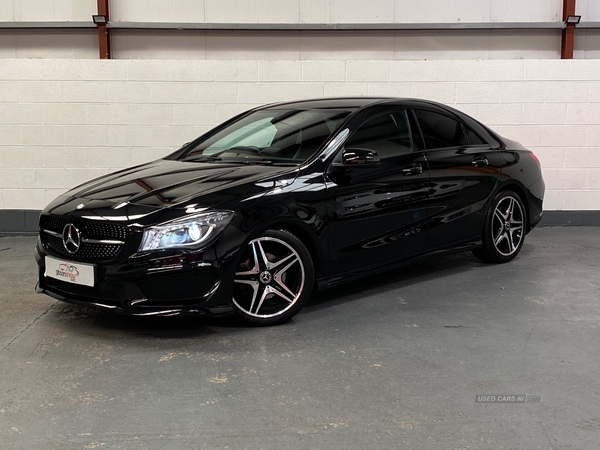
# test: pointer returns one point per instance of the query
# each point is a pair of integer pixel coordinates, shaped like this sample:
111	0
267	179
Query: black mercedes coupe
283	199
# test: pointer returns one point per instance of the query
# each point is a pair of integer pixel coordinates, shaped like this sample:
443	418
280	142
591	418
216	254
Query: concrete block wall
63	122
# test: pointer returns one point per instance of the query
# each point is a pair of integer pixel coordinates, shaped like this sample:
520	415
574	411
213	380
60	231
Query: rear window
439	130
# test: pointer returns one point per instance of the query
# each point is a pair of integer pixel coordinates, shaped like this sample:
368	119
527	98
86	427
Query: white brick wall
63	121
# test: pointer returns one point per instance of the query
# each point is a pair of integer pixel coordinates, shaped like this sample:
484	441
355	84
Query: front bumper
175	285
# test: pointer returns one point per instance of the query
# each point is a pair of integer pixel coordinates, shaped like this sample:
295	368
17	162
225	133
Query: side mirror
358	157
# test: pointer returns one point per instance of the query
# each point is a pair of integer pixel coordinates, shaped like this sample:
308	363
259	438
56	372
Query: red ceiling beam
566	51
103	33
568	34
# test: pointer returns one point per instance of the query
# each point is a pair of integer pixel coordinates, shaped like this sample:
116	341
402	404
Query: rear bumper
535	202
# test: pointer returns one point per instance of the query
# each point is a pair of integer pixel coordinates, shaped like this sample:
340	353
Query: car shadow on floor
90	320
400	277
177	327
395	278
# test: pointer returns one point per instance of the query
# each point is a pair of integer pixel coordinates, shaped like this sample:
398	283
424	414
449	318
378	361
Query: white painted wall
342	45
63	122
587	44
588	9
51	44
47	10
154	44
293	11
335	11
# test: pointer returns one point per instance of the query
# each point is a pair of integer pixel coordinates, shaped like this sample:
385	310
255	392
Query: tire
503	229
274	280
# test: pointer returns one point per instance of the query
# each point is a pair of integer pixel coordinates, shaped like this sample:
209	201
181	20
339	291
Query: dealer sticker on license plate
69	271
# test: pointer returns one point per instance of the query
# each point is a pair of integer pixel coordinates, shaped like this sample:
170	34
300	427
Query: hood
173	184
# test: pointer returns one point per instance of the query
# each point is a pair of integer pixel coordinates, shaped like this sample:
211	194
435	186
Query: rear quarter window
439	130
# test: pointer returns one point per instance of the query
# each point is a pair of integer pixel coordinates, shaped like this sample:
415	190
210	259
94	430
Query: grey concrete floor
392	362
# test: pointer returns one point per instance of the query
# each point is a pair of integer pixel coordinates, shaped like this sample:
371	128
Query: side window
387	133
440	131
473	138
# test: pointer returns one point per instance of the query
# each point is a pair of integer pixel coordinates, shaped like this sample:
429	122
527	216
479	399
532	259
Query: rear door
464	171
376	213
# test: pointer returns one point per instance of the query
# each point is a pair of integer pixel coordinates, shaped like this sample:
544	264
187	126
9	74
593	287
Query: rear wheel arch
504	228
520	190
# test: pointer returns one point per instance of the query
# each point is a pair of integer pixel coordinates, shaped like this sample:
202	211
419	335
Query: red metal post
568	34
103	32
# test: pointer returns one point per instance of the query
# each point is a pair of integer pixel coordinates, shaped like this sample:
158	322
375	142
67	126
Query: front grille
89	230
87	252
106	230
53	223
181	286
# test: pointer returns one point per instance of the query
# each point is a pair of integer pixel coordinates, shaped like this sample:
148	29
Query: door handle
480	161
412	169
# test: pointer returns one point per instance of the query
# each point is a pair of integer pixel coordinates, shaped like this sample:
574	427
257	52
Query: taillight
535	158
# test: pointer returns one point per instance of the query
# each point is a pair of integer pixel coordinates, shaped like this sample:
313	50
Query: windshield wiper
244	161
203	158
248	161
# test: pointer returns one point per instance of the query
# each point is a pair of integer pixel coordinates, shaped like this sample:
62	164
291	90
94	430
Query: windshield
271	136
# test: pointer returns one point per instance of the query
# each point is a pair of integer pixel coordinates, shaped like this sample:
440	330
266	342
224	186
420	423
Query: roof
352	102
338	102
362	102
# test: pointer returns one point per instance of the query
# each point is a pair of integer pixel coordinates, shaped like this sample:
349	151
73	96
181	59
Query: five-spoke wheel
274	279
504	228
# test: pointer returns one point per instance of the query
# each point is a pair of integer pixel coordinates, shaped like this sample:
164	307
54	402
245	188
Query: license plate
69	271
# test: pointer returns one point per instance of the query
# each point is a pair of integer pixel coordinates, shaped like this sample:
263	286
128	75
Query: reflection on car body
257	213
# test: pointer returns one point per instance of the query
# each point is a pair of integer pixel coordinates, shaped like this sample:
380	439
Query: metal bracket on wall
103	32
302	26
589	25
567	45
336	26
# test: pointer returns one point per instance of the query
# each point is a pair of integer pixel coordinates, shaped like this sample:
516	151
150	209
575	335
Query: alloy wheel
270	278
507	226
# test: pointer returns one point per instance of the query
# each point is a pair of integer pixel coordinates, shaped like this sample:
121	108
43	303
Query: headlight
186	232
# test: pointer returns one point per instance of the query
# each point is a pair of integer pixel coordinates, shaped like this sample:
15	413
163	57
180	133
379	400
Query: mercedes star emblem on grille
71	238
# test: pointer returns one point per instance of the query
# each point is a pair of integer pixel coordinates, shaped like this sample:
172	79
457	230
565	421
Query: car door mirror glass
359	157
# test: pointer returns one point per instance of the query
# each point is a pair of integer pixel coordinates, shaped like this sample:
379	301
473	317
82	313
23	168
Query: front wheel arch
274	279
302	231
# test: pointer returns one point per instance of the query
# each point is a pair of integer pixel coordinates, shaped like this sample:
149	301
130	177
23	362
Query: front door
376	214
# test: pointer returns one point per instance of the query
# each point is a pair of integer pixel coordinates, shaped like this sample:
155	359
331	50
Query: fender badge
81	205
